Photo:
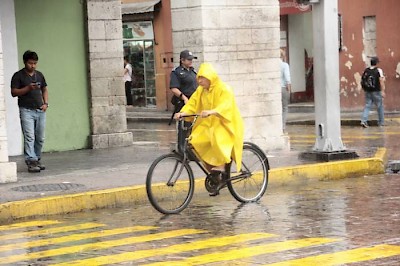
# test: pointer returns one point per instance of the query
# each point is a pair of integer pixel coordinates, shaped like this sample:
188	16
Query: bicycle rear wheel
169	184
251	182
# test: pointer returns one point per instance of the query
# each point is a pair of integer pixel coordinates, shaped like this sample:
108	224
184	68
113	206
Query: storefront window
139	47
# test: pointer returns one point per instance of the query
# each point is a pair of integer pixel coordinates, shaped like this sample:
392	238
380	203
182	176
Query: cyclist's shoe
214	193
219	181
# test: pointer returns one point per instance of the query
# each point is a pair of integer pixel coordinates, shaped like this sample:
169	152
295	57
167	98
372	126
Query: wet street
324	223
302	137
352	221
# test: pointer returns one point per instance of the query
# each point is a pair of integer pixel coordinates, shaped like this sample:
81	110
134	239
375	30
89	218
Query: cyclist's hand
206	113
178	116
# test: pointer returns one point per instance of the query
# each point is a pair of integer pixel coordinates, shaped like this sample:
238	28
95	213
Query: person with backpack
373	84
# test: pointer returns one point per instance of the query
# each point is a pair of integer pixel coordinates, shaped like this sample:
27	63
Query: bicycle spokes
250	184
169	184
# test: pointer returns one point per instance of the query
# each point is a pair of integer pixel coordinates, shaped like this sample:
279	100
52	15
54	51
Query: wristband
180	96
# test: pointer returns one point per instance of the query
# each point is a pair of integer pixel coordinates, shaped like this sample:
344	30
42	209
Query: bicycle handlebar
194	115
192	123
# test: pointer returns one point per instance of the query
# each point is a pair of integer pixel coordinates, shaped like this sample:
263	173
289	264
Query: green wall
55	29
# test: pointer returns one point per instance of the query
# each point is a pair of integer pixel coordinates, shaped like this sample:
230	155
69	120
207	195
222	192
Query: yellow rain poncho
217	138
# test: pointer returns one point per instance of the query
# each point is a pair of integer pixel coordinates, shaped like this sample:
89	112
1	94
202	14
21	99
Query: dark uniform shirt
184	80
34	98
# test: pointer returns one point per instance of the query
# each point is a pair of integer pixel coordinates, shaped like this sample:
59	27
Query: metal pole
326	77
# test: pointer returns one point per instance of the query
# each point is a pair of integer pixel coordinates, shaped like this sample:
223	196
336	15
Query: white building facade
241	39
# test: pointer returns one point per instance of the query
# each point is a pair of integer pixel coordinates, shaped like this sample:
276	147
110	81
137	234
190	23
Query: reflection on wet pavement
364	141
302	138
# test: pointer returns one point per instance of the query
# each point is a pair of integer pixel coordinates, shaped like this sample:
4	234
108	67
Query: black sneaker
33	167
41	166
220	178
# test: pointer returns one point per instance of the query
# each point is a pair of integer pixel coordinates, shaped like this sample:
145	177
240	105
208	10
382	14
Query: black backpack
370	79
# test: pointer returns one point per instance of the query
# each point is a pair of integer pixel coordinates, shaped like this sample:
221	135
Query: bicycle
170	180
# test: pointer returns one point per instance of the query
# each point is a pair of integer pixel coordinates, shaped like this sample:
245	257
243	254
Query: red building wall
387	14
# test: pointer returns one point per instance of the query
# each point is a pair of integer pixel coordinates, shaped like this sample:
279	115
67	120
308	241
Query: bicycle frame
171	200
187	151
190	152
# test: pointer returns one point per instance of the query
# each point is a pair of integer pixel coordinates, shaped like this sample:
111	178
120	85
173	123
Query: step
301	108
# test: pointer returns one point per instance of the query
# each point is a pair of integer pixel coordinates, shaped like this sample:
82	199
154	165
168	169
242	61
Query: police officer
183	78
183	83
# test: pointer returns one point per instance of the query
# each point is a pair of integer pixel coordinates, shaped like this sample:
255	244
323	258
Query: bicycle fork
172	180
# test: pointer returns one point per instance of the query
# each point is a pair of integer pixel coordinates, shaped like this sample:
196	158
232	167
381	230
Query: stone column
108	112
8	170
241	39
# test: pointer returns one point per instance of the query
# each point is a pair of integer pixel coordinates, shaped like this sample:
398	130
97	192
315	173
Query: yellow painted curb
72	203
137	194
330	170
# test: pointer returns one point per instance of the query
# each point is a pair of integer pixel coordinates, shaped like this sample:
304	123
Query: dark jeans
128	86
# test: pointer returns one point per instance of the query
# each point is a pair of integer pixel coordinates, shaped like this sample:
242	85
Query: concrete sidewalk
88	179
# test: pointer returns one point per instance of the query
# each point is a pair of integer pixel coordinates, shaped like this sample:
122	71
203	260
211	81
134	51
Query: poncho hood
218	138
207	70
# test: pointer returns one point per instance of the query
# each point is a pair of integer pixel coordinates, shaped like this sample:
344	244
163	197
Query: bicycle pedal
214	193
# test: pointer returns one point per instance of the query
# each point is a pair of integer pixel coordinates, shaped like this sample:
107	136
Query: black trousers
128	86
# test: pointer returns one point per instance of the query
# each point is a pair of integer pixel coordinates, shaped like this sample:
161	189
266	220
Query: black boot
33	167
40	165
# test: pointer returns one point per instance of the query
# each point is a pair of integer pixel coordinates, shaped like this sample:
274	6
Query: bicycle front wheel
169	184
251	182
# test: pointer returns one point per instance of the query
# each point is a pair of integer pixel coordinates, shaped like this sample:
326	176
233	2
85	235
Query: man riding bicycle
218	137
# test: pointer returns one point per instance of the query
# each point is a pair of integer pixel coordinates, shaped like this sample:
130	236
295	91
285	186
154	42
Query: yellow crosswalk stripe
99	245
196	245
27	224
49	231
74	237
348	256
242	253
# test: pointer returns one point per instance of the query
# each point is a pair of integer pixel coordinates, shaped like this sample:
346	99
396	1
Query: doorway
140	52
